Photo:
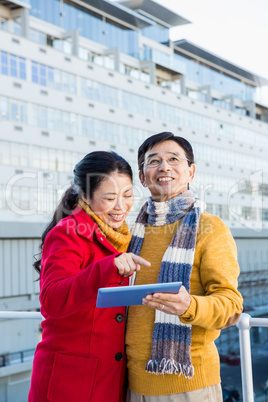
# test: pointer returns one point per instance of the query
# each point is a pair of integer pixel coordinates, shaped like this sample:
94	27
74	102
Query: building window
12	65
265	215
84	53
4	112
4	62
99	92
53	78
18	111
3	23
38	36
138	104
17	26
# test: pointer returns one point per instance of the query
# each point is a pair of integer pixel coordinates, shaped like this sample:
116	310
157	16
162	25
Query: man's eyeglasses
157	161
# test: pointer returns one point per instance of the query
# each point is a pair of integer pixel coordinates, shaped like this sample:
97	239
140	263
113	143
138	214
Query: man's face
166	172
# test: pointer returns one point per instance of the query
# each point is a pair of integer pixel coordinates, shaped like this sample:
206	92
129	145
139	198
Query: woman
81	356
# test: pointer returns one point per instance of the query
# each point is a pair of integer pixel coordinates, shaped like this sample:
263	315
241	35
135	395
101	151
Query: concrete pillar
183	85
25	29
150	65
74	35
116	59
152	72
250	105
231	100
116	54
207	89
75	43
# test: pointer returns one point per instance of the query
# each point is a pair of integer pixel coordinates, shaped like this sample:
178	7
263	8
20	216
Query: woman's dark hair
88	175
150	142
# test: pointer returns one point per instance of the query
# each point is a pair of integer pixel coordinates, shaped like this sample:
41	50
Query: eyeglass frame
163	159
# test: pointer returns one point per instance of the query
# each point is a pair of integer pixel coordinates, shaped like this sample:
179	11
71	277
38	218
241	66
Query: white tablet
132	295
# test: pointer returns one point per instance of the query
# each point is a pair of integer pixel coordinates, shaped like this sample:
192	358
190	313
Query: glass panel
84	53
14	111
43	75
51	119
43	117
4	62
22	68
35	72
4	113
38	36
157	33
23	112
57	80
3	23
13	65
17	26
50	77
58	120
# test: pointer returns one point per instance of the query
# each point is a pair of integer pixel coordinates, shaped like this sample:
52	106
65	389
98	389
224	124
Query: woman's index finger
141	261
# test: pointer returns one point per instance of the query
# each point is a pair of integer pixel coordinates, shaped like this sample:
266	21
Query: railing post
244	326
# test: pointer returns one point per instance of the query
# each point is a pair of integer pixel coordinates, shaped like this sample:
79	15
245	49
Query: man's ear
142	179
191	172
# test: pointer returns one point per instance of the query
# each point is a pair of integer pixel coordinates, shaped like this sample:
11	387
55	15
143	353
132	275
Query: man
173	334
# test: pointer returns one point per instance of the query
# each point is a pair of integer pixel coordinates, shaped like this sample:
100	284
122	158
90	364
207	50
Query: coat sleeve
66	288
219	270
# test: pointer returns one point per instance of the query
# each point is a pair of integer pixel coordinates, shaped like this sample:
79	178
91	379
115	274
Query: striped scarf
171	339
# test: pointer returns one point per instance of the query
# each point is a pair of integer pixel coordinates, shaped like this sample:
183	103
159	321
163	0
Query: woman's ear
142	179
84	198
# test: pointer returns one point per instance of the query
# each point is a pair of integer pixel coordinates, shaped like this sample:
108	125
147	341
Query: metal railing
11	315
7	359
22	356
244	324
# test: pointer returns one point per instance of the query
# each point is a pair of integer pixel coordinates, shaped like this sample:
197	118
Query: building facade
78	76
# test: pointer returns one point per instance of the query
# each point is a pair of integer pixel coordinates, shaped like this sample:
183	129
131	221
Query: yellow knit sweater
215	298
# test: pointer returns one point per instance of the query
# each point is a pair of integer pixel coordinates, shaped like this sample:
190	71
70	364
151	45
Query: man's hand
176	304
127	263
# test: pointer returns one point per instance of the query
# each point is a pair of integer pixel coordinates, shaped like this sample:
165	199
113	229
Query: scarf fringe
169	366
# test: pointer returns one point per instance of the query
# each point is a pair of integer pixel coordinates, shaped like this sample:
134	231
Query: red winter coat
81	356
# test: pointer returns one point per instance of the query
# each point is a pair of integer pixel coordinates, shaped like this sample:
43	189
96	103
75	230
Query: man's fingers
169	309
168	297
177	303
141	261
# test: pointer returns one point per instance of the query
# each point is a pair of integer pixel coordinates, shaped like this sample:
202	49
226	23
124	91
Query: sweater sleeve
66	288
219	271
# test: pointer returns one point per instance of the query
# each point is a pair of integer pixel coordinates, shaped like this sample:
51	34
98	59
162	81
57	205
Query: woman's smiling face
112	201
166	171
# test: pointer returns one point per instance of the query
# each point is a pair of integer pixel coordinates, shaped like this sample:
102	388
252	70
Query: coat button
121	283
119	318
101	238
119	356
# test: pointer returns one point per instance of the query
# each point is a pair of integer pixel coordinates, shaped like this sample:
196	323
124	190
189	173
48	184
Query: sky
236	30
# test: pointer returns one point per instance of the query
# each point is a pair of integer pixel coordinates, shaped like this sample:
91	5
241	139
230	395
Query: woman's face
166	180
112	201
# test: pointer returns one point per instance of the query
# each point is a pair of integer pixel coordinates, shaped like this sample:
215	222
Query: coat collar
86	227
